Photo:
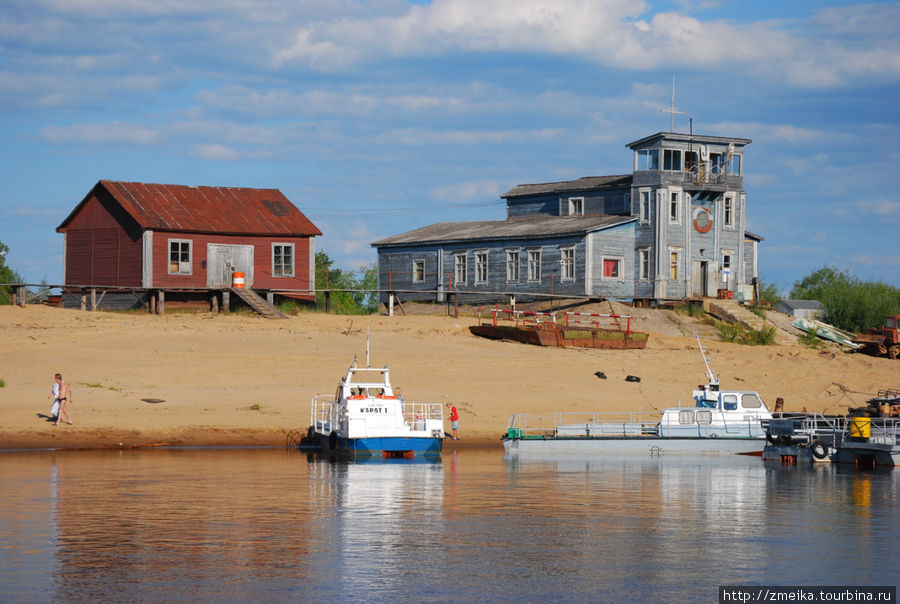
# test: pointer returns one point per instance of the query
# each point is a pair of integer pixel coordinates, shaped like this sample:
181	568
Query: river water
275	525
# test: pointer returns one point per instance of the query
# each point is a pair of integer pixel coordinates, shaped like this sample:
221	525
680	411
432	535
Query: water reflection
471	526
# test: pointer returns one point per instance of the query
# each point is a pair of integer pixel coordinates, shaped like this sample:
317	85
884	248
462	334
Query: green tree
356	295
849	303
769	292
7	275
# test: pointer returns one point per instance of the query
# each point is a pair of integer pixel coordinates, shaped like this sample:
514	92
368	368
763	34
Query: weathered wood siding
396	270
103	247
262	260
614	243
607	201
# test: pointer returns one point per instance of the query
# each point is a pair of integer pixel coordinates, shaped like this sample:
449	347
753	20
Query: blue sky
379	117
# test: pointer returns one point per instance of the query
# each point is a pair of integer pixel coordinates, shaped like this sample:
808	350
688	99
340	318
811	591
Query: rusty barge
577	330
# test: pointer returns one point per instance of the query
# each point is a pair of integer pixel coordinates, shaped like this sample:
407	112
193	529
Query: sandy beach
198	379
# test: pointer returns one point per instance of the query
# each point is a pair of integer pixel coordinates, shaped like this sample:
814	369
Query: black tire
311	434
332	440
818	450
769	437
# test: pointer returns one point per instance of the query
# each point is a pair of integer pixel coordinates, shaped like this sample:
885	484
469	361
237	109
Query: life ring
332	440
704	224
818	450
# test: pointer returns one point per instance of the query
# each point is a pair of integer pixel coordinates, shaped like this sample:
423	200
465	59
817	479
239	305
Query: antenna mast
672	110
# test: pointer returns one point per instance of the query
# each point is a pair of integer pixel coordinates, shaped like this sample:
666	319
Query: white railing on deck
576	424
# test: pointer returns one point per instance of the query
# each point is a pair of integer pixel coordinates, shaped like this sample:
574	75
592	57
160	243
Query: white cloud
109	133
216	152
467	192
880	207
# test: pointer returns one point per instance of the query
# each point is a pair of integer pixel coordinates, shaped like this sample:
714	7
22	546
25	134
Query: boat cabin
730	413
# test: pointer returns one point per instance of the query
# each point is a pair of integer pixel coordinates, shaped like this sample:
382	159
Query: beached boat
720	421
367	417
581	330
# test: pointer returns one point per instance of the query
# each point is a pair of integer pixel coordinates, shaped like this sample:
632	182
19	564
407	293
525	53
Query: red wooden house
184	240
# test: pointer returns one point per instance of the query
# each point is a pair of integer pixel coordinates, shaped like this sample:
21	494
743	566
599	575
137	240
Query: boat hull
563	337
633	445
387	446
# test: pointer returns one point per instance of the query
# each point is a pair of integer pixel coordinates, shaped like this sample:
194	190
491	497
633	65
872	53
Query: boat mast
710	374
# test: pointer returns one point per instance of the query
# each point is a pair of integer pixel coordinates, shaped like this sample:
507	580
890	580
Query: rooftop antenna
672	109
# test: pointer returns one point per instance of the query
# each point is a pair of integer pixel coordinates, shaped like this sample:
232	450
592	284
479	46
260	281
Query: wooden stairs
733	312
257	303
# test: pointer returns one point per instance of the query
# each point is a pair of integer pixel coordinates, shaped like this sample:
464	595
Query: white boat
366	417
720	421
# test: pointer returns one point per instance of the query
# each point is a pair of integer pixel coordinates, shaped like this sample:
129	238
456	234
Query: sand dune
238	379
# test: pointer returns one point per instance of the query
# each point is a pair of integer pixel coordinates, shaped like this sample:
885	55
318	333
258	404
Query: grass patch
2	383
101	386
739	334
255	407
692	310
810	339
756	310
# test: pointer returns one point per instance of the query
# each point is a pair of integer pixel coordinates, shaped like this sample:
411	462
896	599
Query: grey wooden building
675	228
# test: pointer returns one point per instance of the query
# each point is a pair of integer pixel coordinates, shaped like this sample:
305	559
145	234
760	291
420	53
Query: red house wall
103	248
262	260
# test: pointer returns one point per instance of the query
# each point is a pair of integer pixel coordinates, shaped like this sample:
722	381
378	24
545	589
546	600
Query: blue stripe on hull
362	447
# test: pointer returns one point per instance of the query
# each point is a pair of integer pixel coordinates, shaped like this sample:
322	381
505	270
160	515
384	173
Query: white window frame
676	156
534	265
621	263
644	263
573	206
418	271
567	264
728	209
675	203
644	159
181	267
282	273
513	258
644	206
460	268
481	267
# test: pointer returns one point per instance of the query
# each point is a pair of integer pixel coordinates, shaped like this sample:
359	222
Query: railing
580	425
525	317
596	320
785	428
704	176
325	415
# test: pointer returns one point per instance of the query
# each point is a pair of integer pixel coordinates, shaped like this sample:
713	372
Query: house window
282	259
734	165
673	264
675	207
512	266
645	263
534	265
567	263
612	268
418	271
648	159
459	268
727	258
574	206
180	257
481	267
672	160
729	212
645	207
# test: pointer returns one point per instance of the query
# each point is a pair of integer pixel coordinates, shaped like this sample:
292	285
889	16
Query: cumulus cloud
880	207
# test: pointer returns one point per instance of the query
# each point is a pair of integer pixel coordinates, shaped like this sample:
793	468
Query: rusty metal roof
223	210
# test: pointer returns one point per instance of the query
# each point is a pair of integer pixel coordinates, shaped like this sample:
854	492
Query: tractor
881	341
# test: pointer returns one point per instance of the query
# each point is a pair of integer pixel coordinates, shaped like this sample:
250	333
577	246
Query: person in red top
454	420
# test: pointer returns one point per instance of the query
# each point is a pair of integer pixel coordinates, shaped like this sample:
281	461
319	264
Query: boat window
751	401
704	418
730	401
685	417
